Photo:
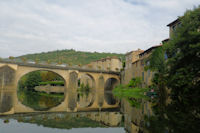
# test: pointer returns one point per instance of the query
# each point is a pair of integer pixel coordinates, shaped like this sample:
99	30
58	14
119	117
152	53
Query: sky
117	26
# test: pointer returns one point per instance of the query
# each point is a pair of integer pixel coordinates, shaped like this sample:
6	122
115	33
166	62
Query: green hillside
71	57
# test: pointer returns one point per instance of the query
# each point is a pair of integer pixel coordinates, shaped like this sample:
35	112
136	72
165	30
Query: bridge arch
25	70
36	92
110	84
89	79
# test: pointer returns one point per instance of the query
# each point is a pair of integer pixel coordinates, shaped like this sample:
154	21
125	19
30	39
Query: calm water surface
15	127
53	107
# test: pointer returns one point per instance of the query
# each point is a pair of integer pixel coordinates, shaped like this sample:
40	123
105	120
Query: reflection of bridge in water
71	120
101	82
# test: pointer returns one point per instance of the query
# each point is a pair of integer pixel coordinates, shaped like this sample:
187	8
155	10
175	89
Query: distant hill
69	56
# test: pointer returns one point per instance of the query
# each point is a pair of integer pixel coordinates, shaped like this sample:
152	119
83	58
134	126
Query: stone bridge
11	73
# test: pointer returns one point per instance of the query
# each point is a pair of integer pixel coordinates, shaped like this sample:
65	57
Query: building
130	58
107	64
135	67
173	26
138	67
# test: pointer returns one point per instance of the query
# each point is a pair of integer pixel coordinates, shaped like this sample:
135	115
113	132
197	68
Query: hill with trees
70	57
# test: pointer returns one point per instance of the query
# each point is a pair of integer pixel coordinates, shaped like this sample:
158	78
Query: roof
134	51
165	40
135	61
151	48
174	22
129	53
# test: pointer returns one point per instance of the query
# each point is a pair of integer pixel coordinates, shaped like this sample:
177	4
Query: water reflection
6	101
51	100
88	121
72	100
110	99
86	98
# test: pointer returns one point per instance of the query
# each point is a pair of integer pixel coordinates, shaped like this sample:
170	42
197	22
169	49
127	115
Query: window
174	27
148	63
148	72
165	56
142	76
142	63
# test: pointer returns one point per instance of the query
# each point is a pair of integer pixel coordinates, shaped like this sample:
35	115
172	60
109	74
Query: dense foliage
180	74
70	57
33	79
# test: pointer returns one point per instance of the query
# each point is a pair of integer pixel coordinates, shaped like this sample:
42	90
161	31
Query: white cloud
29	26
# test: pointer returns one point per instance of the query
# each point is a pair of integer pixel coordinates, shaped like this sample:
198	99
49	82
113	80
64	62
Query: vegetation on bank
70	57
177	70
132	92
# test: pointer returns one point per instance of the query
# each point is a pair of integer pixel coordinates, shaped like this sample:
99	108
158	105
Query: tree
158	65
33	79
181	74
48	62
24	59
184	75
11	58
37	61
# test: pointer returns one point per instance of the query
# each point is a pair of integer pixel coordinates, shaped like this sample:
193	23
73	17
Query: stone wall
49	89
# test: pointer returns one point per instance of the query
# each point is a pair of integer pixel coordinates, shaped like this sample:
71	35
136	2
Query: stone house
173	26
134	120
109	63
130	58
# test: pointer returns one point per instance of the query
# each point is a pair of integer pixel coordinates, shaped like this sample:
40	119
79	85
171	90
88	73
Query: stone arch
29	70
111	83
87	78
42	101
109	86
7	75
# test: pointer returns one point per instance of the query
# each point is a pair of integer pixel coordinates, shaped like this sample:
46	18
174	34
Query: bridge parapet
57	67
